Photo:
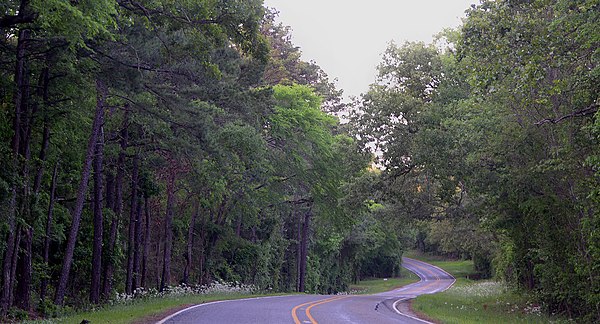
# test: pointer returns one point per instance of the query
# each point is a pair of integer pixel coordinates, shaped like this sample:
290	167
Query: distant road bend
387	307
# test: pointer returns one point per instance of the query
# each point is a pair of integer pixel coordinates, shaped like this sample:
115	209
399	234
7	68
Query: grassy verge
468	301
373	286
457	268
143	311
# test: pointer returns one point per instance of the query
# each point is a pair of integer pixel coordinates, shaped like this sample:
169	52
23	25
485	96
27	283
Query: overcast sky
346	38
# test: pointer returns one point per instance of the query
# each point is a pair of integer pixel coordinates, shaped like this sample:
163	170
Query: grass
374	286
469	301
144	311
457	268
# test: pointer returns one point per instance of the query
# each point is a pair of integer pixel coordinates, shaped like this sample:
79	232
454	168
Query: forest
154	143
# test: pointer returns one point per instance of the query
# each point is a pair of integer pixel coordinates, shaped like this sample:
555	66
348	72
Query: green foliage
488	145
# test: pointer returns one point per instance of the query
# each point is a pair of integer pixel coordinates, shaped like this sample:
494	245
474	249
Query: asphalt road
387	307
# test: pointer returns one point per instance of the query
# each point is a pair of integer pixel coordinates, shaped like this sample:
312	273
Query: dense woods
146	144
489	139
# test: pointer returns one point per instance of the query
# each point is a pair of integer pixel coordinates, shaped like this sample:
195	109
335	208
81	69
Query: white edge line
444	271
164	320
394	306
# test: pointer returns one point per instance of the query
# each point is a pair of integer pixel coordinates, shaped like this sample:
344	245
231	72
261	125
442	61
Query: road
387	307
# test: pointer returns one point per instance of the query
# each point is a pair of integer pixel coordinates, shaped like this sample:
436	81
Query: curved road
384	307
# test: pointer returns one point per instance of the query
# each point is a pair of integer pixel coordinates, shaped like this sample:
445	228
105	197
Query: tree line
147	144
151	143
489	143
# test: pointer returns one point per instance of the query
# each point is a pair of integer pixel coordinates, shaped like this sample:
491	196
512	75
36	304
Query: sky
347	37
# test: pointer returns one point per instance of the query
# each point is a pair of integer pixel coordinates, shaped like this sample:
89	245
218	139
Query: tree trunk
202	253
304	250
190	244
146	244
166	273
298	248
43	92
19	99
132	219
98	221
7	272
24	273
46	253
238	227
118	209
137	244
81	193
13	264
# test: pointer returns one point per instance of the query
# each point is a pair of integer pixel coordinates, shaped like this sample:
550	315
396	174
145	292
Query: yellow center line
312	320
420	265
295	309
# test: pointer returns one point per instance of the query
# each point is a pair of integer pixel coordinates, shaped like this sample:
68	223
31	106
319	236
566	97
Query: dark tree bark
146	243
202	254
238	227
98	221
132	220
23	292
137	244
13	264
46	252
158	261
166	273
190	244
304	250
109	195
118	209
81	193
43	92
8	256
20	79
298	248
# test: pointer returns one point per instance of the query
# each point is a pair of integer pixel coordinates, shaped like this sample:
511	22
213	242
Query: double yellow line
310	306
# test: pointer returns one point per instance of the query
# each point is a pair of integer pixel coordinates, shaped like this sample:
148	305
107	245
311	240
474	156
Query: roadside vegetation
152	305
377	285
477	301
145	144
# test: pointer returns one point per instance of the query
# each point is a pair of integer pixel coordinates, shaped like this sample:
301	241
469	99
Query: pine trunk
304	251
146	244
118	210
24	270
132	219
98	222
19	98
166	273
13	264
8	255
81	193
137	244
190	244
46	252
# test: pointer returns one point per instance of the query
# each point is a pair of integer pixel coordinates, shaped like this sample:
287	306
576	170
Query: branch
282	179
137	7
592	109
9	21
